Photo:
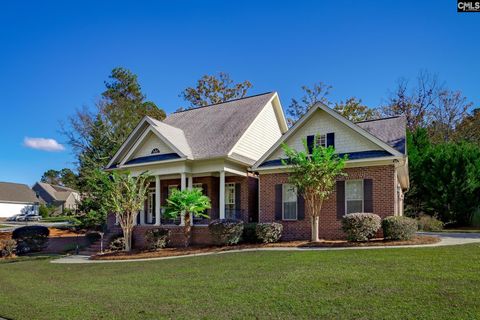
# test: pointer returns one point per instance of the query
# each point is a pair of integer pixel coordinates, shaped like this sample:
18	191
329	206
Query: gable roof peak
228	101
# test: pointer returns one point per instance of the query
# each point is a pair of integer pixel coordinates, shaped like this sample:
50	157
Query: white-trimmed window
197	186
289	202
321	140
354	196
151	207
229	196
171	188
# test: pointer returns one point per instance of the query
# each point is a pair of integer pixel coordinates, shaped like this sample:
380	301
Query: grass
4	226
60	219
415	283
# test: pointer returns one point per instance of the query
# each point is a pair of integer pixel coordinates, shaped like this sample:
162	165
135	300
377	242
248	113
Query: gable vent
155	151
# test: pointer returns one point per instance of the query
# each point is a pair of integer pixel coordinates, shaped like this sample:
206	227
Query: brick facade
330	225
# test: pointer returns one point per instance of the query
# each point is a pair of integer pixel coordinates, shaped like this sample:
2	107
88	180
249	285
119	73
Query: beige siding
260	136
346	139
150	142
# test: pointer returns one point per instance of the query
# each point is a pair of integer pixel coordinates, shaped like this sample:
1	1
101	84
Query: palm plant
187	203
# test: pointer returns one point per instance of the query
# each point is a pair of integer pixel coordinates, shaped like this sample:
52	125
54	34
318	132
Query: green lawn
3	226
422	283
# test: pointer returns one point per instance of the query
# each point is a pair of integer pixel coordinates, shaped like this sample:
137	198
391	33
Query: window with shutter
289	205
354	196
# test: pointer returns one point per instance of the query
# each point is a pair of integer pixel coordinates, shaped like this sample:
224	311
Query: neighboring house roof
212	131
390	130
58	193
16	192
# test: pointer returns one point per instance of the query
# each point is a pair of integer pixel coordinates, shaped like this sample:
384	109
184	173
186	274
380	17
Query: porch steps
96	247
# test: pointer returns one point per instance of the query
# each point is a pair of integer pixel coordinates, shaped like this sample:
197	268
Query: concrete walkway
447	239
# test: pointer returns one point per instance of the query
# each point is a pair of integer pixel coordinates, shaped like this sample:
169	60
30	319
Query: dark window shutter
300	207
340	199
368	195
310	142
278	202
331	139
238	197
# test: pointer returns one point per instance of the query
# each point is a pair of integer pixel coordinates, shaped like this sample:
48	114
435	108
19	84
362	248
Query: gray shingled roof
57	192
212	131
390	130
16	192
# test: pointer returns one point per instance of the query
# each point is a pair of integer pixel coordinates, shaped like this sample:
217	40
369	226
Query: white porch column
222	195
183	186
157	201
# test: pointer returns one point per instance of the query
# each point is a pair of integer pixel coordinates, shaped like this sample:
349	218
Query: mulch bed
170	252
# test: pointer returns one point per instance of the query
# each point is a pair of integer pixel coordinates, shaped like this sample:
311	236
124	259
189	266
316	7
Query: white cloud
43	144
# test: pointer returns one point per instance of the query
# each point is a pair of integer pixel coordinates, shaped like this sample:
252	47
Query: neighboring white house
57	196
16	198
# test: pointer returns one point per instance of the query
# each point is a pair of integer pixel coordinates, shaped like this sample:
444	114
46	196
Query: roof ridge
386	118
214	104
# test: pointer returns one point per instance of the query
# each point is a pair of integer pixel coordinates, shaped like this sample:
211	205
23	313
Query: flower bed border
171	252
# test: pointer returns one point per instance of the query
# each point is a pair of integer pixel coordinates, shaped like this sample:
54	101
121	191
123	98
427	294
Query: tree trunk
127	236
187	229
315	226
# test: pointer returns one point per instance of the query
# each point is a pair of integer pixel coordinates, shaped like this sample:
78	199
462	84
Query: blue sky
54	56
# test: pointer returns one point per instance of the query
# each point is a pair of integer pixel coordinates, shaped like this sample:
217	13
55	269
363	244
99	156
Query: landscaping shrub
157	238
476	218
8	248
226	231
399	228
31	238
429	223
250	233
360	226
269	232
92	237
117	244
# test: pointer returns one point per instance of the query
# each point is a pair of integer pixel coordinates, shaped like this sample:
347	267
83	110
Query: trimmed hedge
250	233
117	244
31	238
157	238
269	232
399	228
360	226
226	231
429	223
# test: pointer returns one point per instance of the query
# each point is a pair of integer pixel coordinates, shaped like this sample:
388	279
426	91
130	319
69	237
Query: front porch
232	197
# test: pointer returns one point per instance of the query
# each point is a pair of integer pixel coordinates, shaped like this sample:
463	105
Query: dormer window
155	151
321	140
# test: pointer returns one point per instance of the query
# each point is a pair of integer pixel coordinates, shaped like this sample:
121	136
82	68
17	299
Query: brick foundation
330	225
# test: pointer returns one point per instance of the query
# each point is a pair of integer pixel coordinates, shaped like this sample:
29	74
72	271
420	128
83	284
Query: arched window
155	150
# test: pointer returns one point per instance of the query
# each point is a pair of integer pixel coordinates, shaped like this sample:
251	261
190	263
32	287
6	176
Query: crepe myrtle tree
125	195
188	203
314	172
